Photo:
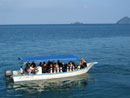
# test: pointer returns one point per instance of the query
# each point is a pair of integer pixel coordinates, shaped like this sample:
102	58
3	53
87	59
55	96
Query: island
77	23
124	20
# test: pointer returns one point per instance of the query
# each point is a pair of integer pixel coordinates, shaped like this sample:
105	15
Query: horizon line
61	24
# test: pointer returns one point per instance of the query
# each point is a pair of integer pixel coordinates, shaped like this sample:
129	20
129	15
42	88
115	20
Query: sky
62	11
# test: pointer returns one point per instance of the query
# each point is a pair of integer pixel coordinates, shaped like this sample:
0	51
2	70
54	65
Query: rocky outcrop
124	20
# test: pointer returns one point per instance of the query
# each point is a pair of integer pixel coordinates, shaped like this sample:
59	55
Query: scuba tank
51	70
72	68
60	69
67	68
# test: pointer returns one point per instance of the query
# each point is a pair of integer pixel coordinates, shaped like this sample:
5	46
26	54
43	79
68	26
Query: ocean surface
108	44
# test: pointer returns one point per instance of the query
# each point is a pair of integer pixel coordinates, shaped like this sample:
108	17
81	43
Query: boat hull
32	77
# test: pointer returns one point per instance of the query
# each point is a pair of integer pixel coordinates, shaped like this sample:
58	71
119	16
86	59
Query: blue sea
107	44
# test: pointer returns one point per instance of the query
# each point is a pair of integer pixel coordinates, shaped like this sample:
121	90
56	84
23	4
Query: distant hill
124	20
77	23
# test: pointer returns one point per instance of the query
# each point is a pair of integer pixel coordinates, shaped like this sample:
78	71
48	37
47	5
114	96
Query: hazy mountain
77	23
124	20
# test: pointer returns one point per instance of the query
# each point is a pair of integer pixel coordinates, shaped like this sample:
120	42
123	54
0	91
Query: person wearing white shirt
39	70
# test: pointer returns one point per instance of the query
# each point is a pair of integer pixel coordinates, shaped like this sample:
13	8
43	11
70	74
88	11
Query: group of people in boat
52	67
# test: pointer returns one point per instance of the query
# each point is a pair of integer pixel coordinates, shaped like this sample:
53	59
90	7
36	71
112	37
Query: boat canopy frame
49	58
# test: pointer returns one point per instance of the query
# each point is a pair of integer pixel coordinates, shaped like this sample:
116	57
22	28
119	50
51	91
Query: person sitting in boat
40	64
51	68
27	67
83	63
71	66
56	69
33	63
59	63
32	69
48	66
21	70
44	67
39	69
64	67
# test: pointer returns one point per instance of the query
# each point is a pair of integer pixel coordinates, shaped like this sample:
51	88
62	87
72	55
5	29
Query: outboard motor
8	73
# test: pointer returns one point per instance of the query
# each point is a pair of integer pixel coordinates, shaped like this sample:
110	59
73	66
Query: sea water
108	44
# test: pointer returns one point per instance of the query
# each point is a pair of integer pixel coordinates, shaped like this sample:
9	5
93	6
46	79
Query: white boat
16	76
52	84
